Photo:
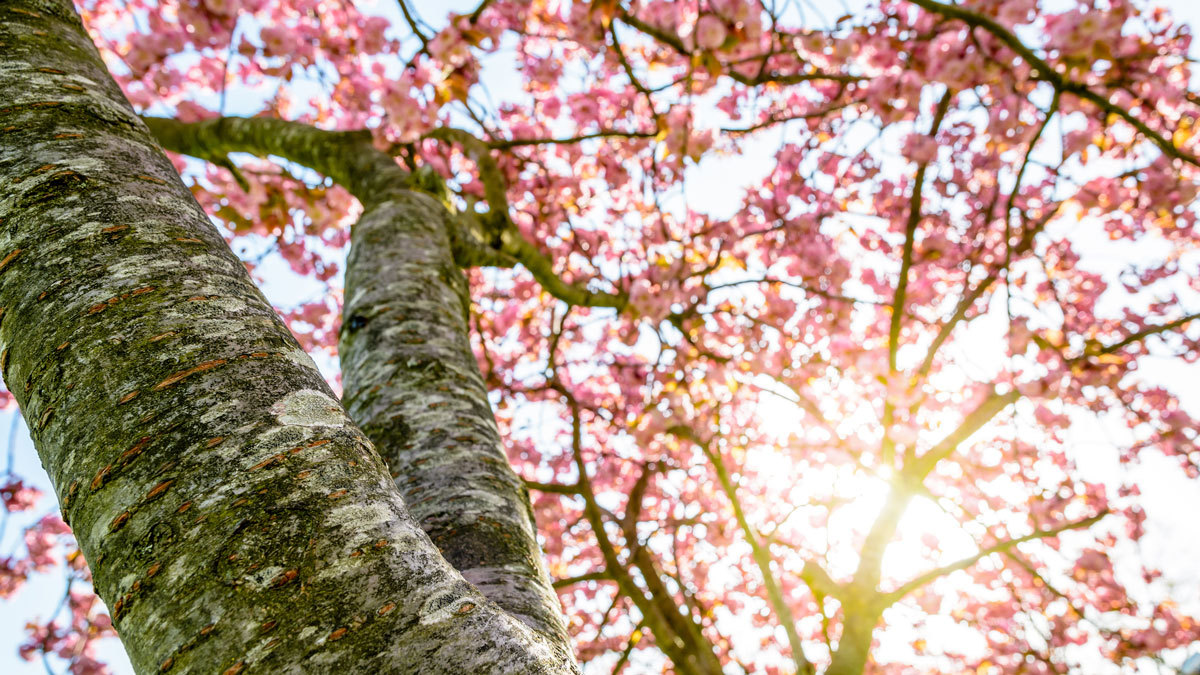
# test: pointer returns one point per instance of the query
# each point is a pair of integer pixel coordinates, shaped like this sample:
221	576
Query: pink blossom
12	576
19	497
278	40
710	32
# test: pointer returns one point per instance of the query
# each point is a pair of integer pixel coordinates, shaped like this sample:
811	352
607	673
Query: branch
772	120
908	483
1139	336
910	231
554	488
1002	547
416	30
819	581
602	575
988	409
664	37
970	297
518	142
347	157
494	186
900	297
351	159
762	557
634	639
542	269
674	644
506	234
678	46
479	10
1046	72
803	287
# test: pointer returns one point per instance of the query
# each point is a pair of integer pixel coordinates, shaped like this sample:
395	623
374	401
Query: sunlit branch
819	581
973	422
602	575
570	140
900	296
762	557
970	297
1141	335
863	586
908	484
910	231
1001	547
1046	72
686	657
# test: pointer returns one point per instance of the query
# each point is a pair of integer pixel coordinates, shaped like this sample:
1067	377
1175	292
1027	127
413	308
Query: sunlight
927	535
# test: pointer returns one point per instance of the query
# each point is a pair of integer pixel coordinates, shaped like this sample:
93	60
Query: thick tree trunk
412	384
854	646
234	517
409	374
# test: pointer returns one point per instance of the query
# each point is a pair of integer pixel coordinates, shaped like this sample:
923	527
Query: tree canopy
787	311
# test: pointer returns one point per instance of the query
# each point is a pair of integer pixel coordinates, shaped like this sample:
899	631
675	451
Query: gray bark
412	384
235	519
409	374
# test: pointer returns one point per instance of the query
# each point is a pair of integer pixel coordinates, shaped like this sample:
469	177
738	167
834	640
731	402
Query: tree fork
234	517
410	375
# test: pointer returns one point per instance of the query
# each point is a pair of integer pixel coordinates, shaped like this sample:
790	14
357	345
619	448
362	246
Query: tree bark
854	646
235	519
412	383
409	374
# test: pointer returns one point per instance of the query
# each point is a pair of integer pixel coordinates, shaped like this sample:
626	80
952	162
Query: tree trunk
234	518
410	376
413	385
854	646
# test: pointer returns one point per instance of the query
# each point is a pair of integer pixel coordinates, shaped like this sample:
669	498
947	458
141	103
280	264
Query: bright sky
1170	541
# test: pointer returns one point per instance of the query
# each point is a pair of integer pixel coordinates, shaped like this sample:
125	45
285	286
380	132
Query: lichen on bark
409	375
412	383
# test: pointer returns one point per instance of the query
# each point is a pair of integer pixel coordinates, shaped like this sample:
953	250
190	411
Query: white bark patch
440	608
309	408
220	410
261	579
302	359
